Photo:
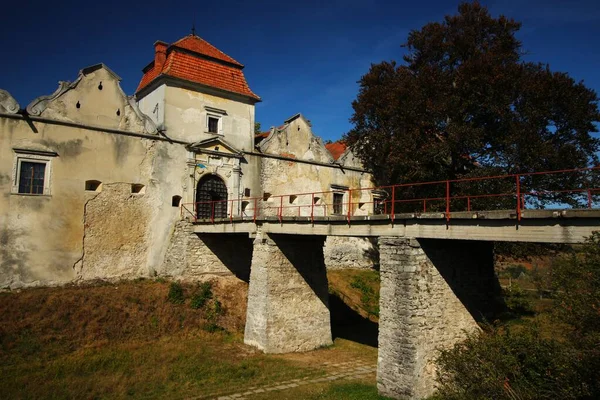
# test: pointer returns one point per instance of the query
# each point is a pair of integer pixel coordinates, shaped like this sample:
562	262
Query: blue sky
300	56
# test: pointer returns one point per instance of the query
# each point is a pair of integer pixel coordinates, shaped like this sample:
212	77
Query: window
338	203
31	177
31	172
213	124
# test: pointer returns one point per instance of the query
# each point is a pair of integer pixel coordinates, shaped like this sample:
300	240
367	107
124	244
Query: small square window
32	172
32	177
213	124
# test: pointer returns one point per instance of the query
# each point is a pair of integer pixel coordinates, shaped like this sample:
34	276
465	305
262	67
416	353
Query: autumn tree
464	102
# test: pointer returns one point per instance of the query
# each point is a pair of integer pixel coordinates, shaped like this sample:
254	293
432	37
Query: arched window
211	197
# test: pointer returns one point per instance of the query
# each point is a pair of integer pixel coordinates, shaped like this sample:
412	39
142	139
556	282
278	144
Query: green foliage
175	295
203	294
576	284
496	365
257	128
576	281
369	297
516	300
348	391
463	104
500	364
524	251
514	271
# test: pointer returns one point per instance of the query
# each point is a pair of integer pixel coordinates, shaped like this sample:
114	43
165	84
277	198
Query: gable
295	139
215	145
95	98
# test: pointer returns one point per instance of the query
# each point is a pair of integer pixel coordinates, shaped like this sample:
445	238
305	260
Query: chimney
160	54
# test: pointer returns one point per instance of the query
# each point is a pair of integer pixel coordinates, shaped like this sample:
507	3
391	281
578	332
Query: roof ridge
193	36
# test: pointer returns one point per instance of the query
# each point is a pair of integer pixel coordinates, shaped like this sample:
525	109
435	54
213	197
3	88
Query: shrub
500	365
175	295
202	295
517	301
514	271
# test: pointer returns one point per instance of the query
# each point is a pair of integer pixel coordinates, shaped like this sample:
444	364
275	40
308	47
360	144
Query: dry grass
126	340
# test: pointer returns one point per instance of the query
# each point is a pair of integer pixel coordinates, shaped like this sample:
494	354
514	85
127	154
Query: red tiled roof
262	134
205	65
199	45
336	149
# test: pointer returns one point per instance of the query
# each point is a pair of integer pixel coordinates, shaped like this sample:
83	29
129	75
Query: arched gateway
211	197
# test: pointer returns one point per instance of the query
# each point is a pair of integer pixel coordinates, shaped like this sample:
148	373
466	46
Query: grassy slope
126	340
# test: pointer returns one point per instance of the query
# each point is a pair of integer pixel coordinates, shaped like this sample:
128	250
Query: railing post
255	209
231	212
424	205
589	196
280	208
349	205
447	201
468	203
518	179
212	213
393	203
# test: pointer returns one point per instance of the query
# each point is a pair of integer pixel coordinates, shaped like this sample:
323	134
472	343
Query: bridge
435	254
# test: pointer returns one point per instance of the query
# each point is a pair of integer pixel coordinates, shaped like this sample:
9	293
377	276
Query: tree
464	103
257	129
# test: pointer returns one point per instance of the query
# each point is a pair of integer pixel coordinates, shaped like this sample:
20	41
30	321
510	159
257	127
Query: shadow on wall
467	266
305	253
348	324
372	253
233	250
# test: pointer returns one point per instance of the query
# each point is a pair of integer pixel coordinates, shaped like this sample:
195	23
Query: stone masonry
191	255
288	307
431	297
350	252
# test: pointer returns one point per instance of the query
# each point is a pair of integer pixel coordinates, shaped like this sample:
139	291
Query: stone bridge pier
288	305
433	292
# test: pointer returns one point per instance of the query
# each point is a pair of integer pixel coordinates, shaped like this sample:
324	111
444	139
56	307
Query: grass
359	289
174	367
336	391
130	340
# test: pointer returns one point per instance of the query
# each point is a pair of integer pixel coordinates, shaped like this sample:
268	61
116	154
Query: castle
100	185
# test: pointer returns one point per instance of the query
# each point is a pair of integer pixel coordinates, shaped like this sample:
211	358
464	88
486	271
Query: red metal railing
573	188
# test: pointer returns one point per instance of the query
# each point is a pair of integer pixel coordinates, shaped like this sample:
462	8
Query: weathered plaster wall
44	233
153	105
69	233
185	119
288	299
296	141
95	99
432	294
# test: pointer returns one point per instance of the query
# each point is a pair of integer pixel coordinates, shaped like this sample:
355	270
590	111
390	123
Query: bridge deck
548	226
